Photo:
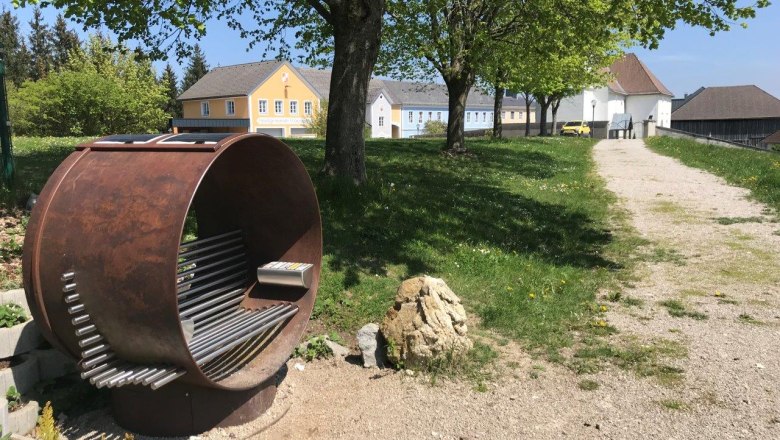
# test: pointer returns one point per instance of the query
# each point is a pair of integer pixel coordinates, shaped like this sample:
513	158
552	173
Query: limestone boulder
426	323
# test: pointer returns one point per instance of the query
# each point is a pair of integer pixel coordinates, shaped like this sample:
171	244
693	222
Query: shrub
14	398
47	428
315	348
11	314
318	122
435	128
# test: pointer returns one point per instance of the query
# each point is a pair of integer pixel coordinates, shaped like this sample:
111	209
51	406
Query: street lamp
593	118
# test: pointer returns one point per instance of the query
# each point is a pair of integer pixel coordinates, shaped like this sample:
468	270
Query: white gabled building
634	90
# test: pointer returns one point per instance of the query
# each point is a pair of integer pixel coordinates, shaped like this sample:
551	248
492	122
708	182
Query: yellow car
576	128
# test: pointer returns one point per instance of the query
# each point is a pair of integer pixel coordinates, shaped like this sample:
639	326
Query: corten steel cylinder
113	215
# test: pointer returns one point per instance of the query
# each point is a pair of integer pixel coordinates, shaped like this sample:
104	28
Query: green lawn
755	170
520	231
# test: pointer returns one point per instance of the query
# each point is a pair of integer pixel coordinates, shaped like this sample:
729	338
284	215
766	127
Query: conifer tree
40	46
169	81
196	69
65	41
15	53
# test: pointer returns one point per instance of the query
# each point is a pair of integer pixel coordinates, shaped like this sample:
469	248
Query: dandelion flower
603	308
532	295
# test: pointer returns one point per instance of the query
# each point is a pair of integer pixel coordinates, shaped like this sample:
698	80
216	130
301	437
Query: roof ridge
247	64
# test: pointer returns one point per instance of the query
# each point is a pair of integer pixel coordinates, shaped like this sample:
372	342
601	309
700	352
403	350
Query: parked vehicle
576	128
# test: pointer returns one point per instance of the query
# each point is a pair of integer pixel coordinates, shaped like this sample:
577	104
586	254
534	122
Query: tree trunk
458	89
544	103
528	99
555	103
498	103
357	32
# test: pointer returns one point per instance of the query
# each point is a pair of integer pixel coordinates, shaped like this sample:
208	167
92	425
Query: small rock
337	349
299	366
760	366
409	372
371	346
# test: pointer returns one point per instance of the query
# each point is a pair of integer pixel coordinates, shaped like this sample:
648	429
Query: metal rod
69	287
228	360
207	357
104	381
203	326
80	319
68	276
212	275
115	381
210	285
234	324
85	330
209	266
156	376
95	350
245	355
236	332
78	308
90	340
72	298
217	326
137	380
110	372
98	359
168	379
206	304
136	373
98	369
208	240
211	247
209	256
208	313
220	331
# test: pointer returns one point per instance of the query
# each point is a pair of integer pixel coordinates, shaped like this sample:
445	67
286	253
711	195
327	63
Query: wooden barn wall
746	131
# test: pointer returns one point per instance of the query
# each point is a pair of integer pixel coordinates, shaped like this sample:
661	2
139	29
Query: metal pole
6	153
593	121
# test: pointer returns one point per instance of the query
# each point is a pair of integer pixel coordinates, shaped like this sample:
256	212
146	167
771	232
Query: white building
634	90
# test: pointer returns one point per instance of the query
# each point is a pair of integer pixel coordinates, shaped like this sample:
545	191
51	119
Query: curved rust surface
114	215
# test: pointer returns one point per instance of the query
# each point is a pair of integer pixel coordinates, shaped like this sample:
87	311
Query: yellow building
278	99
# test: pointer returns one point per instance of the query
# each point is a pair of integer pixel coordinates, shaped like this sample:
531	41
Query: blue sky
686	59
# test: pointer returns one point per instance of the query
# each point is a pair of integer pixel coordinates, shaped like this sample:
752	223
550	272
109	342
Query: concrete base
19	339
23	420
23	376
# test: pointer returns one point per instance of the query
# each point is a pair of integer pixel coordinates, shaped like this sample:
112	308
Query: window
468	117
307	108
520	115
438	116
293	107
503	115
381	121
204	108
511	115
420	119
278	106
411	117
262	106
491	116
430	115
484	116
230	108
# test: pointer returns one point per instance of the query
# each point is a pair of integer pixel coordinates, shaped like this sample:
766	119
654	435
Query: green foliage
65	42
14	398
103	89
15	53
168	81
196	69
47	427
318	121
40	47
679	310
435	128
588	385
757	171
314	348
11	314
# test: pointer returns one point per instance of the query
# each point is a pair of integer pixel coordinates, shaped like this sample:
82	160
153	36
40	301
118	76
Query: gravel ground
732	376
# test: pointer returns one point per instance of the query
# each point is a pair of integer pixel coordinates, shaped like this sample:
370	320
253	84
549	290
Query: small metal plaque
282	273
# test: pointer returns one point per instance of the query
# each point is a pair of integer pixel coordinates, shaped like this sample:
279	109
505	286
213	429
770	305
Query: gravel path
731	374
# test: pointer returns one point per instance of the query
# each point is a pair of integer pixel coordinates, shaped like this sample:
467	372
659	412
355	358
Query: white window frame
381	121
512	117
308	108
228	111
411	117
438	116
293	106
262	106
468	116
484	116
205	109
419	120
279	106
430	116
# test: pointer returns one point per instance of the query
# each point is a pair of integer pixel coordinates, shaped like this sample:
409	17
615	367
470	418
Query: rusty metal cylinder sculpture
188	334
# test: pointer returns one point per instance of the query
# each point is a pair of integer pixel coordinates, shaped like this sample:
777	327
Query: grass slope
519	231
757	171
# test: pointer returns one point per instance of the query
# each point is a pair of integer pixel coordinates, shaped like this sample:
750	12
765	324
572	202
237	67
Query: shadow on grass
416	198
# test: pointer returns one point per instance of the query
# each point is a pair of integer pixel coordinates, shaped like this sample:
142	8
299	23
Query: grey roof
242	79
236	80
679	102
733	102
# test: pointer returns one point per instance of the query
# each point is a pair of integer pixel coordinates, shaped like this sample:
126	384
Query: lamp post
6	157
593	118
